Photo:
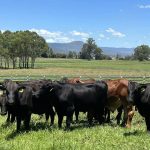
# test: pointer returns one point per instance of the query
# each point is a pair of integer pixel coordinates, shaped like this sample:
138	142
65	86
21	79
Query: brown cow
77	80
117	96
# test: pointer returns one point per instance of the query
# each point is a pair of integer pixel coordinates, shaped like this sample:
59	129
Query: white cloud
102	36
115	33
82	34
53	36
144	6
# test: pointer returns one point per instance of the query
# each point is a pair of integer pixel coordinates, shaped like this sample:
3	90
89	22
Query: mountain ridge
77	45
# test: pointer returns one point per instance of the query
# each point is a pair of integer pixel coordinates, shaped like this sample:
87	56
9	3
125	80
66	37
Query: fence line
58	77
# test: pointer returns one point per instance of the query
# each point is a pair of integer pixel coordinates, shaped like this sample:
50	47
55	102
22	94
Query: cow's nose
11	102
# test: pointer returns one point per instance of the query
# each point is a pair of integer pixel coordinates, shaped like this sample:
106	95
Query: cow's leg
107	115
147	120
60	118
8	117
70	111
52	115
47	116
90	117
130	116
27	121
77	115
100	114
18	122
12	118
118	117
125	116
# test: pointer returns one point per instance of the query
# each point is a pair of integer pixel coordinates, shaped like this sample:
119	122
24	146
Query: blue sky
117	23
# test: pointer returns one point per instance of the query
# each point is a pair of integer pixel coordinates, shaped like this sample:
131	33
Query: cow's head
142	94
44	90
12	90
132	88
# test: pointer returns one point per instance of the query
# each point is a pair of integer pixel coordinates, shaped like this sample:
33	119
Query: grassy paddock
107	137
56	68
81	137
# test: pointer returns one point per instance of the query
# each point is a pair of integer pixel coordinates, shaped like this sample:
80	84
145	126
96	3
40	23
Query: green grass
57	68
81	137
104	137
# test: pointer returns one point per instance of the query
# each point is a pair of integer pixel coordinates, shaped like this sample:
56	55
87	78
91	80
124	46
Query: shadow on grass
83	124
134	133
33	127
12	135
6	124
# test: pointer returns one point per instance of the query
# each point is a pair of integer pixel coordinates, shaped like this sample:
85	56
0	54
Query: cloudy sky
117	23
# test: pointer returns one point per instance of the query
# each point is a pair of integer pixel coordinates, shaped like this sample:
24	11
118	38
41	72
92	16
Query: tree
90	50
10	45
51	53
72	54
142	52
25	45
98	53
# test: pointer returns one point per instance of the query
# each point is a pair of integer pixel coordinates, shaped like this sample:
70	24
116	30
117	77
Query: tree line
20	49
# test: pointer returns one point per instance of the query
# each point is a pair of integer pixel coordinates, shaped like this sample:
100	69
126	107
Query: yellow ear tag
21	90
142	90
1	92
51	89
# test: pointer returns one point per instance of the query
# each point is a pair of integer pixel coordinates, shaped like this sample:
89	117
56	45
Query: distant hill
113	51
77	45
66	47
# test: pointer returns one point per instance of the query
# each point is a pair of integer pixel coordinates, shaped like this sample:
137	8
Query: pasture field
57	68
81	137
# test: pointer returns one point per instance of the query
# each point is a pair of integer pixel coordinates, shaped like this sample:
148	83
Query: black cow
68	98
41	104
23	102
19	102
140	96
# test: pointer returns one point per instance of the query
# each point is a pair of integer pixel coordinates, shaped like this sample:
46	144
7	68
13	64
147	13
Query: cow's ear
2	87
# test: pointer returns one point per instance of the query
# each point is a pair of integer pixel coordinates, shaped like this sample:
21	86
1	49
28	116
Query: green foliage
24	45
98	53
90	50
142	52
72	54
